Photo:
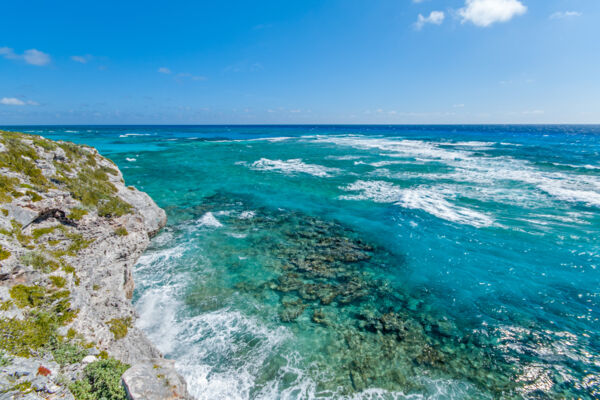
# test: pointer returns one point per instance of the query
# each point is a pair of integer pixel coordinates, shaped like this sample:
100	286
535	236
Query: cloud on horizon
435	17
484	13
164	70
13	101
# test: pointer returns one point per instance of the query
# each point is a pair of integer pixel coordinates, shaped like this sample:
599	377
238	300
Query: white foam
241	343
134	134
484	171
586	166
344	158
247	214
130	159
397	147
209	219
419	198
237	235
294	166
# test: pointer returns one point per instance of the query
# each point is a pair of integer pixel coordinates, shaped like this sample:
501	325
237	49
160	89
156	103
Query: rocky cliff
70	234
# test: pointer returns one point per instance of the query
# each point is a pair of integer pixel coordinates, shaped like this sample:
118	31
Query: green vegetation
66	353
4	360
39	262
58	281
121	231
6	305
119	327
45	310
27	337
18	234
7	188
4	254
91	185
93	188
34	196
20	157
27	296
101	381
115	207
77	213
39	232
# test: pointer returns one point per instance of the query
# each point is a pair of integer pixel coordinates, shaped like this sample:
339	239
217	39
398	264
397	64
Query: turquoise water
369	262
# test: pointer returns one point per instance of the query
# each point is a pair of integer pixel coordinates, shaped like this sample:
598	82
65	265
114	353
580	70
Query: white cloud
82	59
11	101
190	76
31	56
36	57
8	53
565	14
164	70
435	17
487	12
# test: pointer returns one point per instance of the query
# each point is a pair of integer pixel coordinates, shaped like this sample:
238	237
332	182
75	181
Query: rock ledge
70	234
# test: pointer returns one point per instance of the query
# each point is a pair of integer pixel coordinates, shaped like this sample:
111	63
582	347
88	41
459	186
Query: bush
77	213
67	353
4	254
121	231
101	381
115	207
119	327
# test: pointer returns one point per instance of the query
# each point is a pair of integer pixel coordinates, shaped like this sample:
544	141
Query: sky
299	62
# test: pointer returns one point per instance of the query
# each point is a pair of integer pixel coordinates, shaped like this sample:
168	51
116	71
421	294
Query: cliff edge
70	234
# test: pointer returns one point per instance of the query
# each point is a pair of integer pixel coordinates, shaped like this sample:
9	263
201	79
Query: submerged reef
70	233
322	278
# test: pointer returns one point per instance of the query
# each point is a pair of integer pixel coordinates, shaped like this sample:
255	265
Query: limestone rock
71	227
154	380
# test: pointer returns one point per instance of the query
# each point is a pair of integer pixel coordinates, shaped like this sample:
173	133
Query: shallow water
369	262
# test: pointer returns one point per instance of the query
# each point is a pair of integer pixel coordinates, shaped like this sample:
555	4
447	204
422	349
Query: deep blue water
369	261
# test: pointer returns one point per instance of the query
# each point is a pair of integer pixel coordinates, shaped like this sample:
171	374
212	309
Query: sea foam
294	166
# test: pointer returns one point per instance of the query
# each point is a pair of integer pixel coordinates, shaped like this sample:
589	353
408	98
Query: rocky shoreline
70	234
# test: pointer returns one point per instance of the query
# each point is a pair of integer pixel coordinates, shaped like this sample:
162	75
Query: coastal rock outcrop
70	234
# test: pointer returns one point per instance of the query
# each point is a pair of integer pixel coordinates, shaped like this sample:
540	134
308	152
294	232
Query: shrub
77	213
68	353
101	381
27	296
39	262
121	231
58	281
119	327
4	254
115	207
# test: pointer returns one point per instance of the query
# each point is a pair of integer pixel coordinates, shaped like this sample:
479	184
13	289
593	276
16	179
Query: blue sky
345	61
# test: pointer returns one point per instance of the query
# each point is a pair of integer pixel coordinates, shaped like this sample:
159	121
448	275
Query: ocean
369	262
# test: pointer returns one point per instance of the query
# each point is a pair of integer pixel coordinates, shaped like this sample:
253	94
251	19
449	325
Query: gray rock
154	380
88	359
100	288
22	215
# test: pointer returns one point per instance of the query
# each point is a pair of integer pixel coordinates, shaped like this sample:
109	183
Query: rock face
70	234
154	380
